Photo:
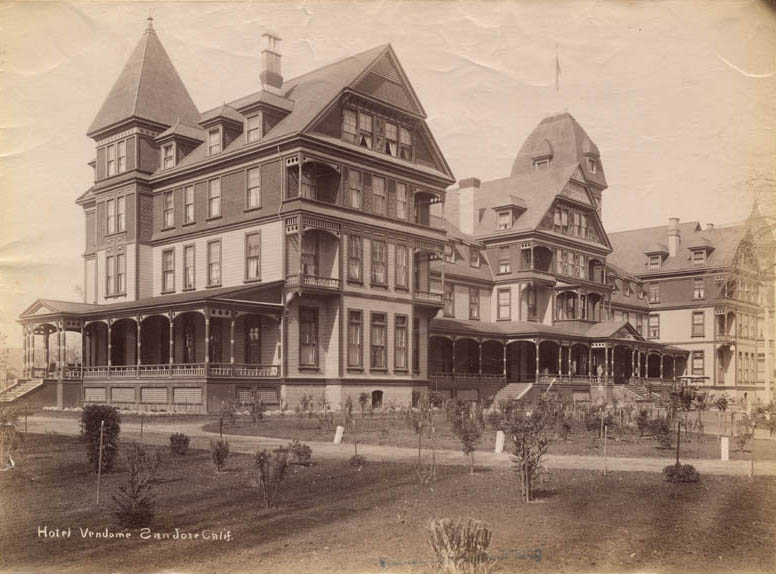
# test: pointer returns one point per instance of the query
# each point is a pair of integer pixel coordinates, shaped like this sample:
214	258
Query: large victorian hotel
311	238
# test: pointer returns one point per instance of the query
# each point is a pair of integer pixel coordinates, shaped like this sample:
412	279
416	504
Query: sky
680	98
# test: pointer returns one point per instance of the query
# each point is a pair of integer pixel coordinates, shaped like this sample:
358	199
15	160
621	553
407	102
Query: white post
499	442
605	432
338	434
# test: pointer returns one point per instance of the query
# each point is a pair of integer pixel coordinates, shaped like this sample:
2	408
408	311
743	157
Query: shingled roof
148	88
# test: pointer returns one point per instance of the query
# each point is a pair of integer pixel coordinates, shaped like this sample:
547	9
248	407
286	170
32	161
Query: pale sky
680	98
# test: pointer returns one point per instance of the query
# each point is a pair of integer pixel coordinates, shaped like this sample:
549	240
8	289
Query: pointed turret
148	88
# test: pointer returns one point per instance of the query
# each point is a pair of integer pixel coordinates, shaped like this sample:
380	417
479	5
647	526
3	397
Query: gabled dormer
177	142
656	254
508	212
223	125
699	249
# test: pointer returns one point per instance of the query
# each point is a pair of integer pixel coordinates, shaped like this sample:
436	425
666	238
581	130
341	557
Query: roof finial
150	21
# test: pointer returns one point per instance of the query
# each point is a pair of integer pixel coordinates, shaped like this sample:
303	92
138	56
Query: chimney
674	238
709	226
271	78
466	190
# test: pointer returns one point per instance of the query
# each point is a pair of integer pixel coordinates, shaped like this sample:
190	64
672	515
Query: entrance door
252	340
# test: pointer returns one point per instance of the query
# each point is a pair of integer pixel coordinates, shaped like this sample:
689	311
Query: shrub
271	470
642	421
461	546
469	433
302	454
681	473
91	417
357	460
257	408
745	427
179	443
8	437
220	451
134	504
661	431
529	437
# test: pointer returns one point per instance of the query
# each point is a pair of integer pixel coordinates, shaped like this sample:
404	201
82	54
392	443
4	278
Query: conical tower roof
148	88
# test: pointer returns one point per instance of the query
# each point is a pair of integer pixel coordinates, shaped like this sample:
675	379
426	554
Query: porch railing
467	378
573	379
428	297
180	370
312	281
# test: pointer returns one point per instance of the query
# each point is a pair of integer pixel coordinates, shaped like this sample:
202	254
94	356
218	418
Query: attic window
405	144
474	257
253	128
214	141
168	156
391	139
698	257
592	165
626	288
541	163
350	126
449	254
365	130
654	262
504	219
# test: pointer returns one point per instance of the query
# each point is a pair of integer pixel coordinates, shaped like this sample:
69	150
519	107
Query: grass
334	518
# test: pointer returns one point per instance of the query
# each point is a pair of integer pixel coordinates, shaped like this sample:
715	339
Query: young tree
528	430
92	417
270	471
420	419
469	432
8	437
134	504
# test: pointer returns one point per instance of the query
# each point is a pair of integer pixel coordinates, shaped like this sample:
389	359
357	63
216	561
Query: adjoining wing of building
303	240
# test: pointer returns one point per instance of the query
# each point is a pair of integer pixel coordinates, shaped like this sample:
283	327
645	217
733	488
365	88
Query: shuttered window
94	394
122	395
153	395
187	395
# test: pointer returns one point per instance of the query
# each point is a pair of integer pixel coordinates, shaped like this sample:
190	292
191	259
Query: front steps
512	391
21	389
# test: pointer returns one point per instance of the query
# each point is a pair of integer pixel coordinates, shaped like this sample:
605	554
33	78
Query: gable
385	81
553	220
577	192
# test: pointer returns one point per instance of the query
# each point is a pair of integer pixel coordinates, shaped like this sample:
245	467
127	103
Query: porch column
560	359
231	346
139	321
46	349
60	351
25	340
661	367
569	361
453	371
633	362
606	364
171	341
537	342
504	357
110	345
479	362
207	340
32	351
589	360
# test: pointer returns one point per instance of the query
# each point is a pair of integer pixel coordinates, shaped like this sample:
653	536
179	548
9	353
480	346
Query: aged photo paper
383	286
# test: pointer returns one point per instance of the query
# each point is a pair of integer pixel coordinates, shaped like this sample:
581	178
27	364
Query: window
449	253
654	327
400	343
504	219
530	303
405	144
592	165
391	139
416	345
355	254
504	304
541	164
121	157
365	130
310	254
121	274
697	288
639	324
654	262
111	160
168	158
583	226
379	262
654	292
698	326
168	209
378	343
355	339
254	128
214	198
214	263
575	226
402	266
308	337
474	303
697	363
188	267
110	275
401	201
110	209
474	257
626	288
449	310
504	264
168	271
378	191
253	256
188	204
121	214
355	189
214	141
698	257
254	188
349	126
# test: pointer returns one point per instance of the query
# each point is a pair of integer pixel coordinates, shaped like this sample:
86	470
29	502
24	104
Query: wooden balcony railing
428	297
467	378
180	370
312	281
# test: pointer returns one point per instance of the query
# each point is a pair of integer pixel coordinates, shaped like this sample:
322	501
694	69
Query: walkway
159	434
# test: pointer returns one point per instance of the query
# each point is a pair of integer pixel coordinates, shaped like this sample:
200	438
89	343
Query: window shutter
344	198
391	198
366	183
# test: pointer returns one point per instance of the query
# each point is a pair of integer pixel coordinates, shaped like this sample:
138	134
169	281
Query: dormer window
654	262
121	157
214	141
474	257
504	219
350	126
592	165
365	130
698	257
168	156
405	144
253	128
541	163
449	254
626	288
391	139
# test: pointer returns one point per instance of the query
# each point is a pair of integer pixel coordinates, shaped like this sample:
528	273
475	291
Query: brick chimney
674	237
466	190
271	77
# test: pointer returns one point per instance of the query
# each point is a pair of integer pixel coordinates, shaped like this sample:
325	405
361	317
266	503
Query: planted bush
219	449
681	473
300	453
357	460
179	443
91	419
271	470
461	546
134	504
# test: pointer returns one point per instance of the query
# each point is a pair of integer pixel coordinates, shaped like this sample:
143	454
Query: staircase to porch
19	390
511	391
638	392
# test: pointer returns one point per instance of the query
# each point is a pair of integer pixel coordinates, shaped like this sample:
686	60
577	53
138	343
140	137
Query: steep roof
180	129
148	88
561	136
630	246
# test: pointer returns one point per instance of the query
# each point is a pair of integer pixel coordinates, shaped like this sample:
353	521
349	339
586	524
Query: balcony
304	280
428	298
187	370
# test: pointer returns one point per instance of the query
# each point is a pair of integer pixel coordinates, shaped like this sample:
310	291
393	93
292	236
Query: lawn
391	430
335	518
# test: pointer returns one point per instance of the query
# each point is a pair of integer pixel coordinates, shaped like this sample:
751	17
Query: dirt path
158	434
